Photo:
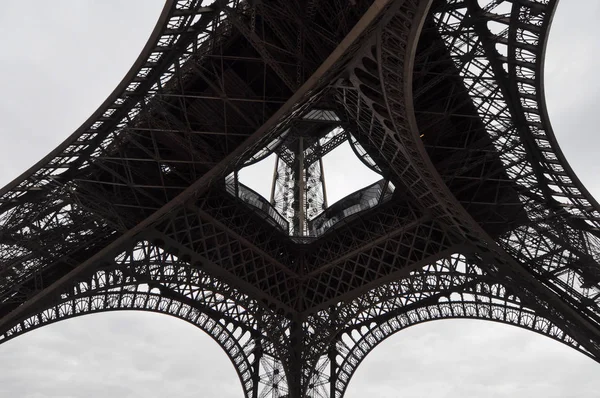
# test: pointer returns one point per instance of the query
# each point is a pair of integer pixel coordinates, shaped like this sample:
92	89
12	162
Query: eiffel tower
477	213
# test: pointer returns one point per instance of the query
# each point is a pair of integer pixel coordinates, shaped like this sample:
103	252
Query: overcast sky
60	60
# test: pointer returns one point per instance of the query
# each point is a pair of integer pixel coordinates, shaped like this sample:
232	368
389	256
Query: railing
264	207
356	202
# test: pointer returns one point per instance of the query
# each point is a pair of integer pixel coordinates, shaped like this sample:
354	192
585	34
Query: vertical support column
275	176
283	190
236	182
295	360
332	353
256	369
332	369
323	186
299	195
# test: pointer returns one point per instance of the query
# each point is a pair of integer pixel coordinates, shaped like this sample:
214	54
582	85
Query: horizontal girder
444	98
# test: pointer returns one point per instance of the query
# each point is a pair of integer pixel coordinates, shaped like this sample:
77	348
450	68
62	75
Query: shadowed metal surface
141	207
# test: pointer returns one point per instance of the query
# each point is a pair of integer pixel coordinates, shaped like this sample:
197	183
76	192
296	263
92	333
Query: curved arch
543	109
471	358
238	345
357	344
36	192
507	258
392	124
453	287
565	194
115	97
119	353
384	86
362	155
147	278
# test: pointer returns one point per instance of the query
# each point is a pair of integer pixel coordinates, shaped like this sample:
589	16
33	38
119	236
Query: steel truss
443	98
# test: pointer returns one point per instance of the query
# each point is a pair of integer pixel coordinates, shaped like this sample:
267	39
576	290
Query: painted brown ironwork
478	215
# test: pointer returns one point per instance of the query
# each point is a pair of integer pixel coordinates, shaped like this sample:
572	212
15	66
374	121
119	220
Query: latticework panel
496	51
140	208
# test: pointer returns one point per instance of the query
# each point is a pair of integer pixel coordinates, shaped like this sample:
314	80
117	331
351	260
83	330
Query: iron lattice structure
141	209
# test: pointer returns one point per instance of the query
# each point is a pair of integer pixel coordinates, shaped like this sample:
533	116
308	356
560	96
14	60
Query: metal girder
235	259
310	87
521	151
443	98
147	278
261	46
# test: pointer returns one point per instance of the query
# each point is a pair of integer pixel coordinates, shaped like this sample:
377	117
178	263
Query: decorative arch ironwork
147	278
293	320
453	288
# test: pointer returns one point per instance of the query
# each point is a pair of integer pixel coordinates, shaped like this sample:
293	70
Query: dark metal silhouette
478	214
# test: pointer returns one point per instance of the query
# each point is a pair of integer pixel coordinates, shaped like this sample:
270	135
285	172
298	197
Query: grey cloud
61	59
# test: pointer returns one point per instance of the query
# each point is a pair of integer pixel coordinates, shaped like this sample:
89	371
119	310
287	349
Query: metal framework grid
443	97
